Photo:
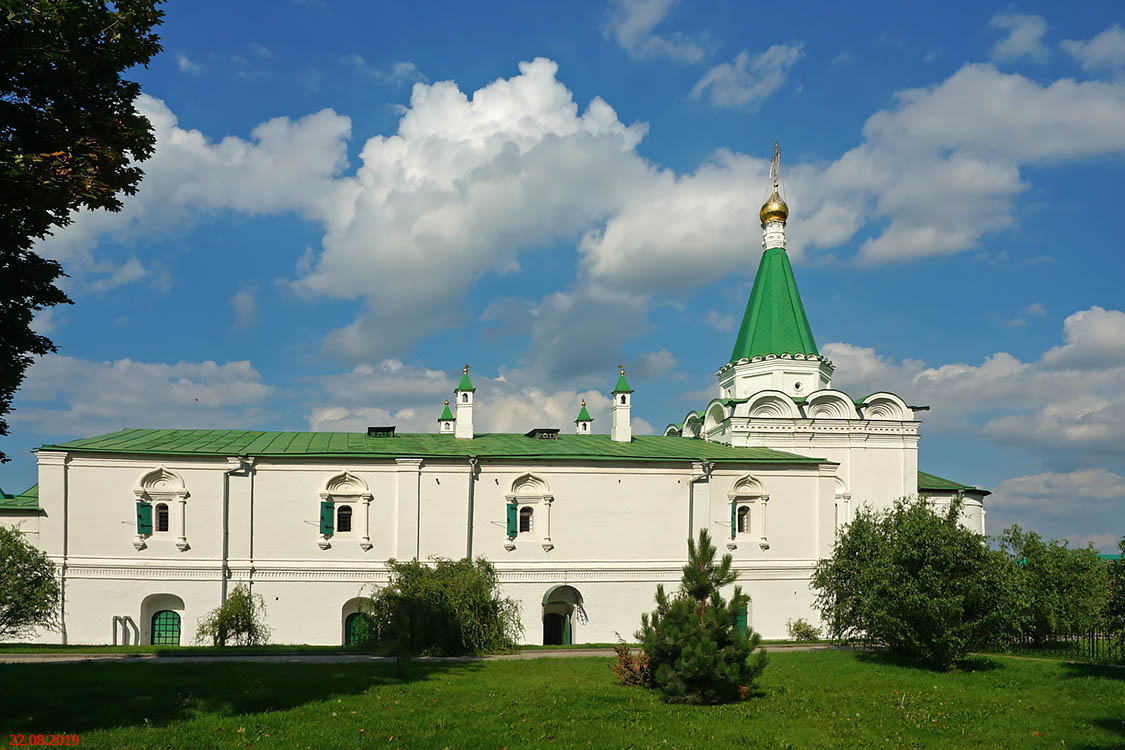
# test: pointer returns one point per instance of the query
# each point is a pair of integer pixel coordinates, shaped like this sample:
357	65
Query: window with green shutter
326	513
733	518
144	518
513	520
741	619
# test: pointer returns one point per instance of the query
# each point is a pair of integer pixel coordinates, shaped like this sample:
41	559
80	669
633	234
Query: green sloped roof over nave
405	445
26	500
934	482
775	320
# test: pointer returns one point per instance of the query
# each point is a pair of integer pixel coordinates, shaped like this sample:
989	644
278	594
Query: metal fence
1094	646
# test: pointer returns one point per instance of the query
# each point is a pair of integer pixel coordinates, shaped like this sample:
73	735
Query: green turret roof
583	415
465	384
622	384
445	413
775	321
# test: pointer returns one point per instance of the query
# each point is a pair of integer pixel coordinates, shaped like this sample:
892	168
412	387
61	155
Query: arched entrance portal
562	606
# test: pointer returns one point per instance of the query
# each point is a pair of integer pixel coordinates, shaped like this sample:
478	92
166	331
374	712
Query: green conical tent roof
583	415
445	413
622	385
465	384
775	321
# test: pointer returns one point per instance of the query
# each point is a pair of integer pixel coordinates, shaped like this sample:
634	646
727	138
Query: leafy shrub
240	621
918	582
630	668
1061	590
1115	607
696	653
444	608
802	630
29	591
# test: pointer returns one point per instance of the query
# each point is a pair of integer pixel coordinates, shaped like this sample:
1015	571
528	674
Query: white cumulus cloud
1106	51
631	24
746	81
1025	37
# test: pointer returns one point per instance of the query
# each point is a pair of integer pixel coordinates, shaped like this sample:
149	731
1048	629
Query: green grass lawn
806	700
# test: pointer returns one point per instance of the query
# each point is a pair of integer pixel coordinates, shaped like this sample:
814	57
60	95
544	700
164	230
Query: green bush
1061	590
443	608
240	621
802	630
29	592
919	583
696	651
1115	608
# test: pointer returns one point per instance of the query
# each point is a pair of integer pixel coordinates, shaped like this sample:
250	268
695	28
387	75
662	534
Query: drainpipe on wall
473	464
705	476
235	462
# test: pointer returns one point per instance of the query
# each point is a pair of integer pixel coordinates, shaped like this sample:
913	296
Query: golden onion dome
774	208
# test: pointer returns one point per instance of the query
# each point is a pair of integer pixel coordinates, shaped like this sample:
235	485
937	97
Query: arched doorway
562	606
161	619
165	628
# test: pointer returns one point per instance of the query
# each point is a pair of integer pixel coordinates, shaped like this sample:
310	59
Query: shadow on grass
969	664
1105	671
76	698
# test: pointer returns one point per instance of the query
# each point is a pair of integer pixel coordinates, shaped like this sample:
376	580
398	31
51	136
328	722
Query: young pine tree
697	653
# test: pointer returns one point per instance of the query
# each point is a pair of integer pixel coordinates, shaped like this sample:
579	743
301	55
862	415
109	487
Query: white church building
152	528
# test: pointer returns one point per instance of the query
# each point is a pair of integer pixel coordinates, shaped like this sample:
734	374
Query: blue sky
351	200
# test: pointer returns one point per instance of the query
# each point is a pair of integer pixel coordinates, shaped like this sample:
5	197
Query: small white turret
464	395
622	430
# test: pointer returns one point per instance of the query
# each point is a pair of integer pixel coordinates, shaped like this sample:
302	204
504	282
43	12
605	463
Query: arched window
623	398
525	519
162	517
165	628
744	519
464	398
344	519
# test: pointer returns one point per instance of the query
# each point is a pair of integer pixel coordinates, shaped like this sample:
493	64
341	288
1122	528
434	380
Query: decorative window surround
530	490
349	489
748	492
163	486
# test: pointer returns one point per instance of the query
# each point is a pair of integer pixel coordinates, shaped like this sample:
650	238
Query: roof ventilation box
543	433
381	432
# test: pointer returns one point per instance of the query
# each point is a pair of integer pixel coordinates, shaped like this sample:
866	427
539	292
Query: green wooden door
357	630
566	630
166	628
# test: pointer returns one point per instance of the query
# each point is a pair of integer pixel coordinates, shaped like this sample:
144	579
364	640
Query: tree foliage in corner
29	592
443	608
918	582
696	651
70	138
240	621
1115	607
1061	590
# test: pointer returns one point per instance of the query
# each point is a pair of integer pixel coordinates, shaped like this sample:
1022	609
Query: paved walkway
299	658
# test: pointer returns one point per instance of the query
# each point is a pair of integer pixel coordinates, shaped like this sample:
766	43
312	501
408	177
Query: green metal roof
933	482
465	384
622	385
583	415
775	321
26	500
446	414
358	445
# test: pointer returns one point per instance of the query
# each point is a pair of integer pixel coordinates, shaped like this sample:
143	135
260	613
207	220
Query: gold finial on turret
447	402
622	368
583	402
774	208
466	370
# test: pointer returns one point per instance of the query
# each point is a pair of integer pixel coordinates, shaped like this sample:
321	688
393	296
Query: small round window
796	386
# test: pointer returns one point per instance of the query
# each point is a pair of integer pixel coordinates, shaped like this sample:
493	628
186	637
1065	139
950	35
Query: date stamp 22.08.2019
42	740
